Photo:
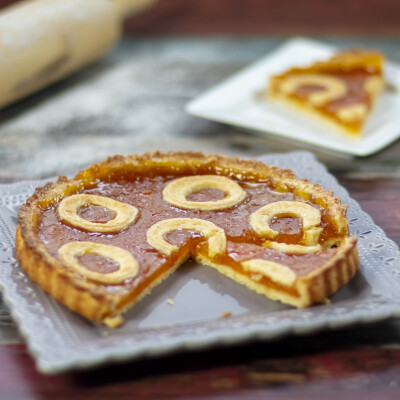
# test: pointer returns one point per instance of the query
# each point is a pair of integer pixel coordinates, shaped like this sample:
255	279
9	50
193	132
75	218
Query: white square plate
61	340
237	101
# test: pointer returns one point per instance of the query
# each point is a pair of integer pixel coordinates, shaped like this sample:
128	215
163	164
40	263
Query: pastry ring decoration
128	266
310	216
215	235
176	192
68	213
334	88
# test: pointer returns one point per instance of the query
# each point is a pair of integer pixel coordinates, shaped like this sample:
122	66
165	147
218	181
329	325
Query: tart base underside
106	306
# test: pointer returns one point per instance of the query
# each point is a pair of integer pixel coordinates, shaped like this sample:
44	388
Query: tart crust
90	299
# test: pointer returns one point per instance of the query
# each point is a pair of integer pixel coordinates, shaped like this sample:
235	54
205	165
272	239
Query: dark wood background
270	17
266	17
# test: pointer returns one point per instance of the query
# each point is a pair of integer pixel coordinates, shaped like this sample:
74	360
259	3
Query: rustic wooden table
132	101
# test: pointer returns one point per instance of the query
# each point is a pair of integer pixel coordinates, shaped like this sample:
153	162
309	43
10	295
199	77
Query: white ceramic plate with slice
238	102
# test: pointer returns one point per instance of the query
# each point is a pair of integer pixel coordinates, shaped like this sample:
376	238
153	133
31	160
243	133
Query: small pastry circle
68	212
215	235
334	88
311	218
128	265
175	192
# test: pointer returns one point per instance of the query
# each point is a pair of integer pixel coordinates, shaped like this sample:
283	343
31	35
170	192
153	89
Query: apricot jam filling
240	241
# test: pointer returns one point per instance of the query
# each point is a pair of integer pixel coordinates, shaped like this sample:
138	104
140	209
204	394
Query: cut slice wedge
340	91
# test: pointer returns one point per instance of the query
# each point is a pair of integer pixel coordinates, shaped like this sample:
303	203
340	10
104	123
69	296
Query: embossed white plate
238	101
60	340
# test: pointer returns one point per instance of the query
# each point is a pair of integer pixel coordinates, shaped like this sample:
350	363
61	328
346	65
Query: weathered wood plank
367	373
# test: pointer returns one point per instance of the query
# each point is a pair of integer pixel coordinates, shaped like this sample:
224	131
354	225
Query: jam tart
102	240
341	90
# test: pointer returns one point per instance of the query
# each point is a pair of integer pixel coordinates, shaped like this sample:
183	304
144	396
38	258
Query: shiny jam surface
145	193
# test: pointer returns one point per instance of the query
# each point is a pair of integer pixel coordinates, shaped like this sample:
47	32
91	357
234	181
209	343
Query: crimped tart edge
101	306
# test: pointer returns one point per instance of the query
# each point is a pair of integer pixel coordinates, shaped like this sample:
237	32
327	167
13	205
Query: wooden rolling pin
42	41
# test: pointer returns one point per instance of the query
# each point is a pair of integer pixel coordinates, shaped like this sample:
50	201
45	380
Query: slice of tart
341	90
101	241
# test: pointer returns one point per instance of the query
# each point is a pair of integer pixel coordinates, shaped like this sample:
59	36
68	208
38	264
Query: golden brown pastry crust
95	303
